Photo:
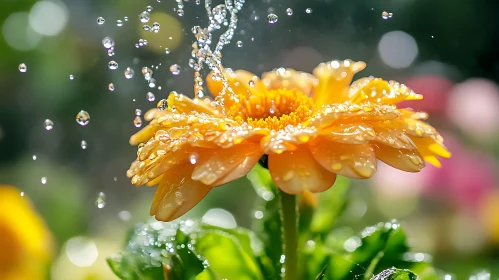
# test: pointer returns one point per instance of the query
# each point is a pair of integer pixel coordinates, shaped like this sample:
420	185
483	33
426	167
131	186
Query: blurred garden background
75	174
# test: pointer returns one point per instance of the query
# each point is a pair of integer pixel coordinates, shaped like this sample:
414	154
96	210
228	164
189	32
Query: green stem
290	234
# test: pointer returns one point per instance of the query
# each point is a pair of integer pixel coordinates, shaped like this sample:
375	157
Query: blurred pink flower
465	180
435	90
474	107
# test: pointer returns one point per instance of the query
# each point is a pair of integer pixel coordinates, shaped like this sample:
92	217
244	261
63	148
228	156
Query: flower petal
287	139
430	149
334	79
214	166
354	161
290	79
377	90
177	193
348	133
184	104
297	171
403	159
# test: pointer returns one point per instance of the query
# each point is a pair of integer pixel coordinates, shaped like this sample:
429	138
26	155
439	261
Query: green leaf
268	227
395	274
322	274
331	204
226	256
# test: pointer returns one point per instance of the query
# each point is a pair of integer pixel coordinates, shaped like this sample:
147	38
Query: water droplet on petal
83	144
179	198
100	20
272	18
145	17
44	180
111	87
83	118
175	69
162	105
119	23
137	121
48	124
108	42
129	72
193	158
113	65
100	202
289	11
22	68
150	96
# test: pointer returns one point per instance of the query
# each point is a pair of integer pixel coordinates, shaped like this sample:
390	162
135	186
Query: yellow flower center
275	109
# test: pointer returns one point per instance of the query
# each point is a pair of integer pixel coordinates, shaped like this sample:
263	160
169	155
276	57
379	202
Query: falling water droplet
137	121
175	69
22	68
113	65
272	18
155	27
251	83
138	112
193	158
125	18
146	28
100	202
308	10
152	82
83	118
22	193
108	42
111	87
100	20
147	72
179	198
119	23
239	44
386	15
83	144
124	215
289	11
162	105
44	180
145	17
110	52
167	50
48	124
180	12
150	97
129	72
149	9
34	157
71	77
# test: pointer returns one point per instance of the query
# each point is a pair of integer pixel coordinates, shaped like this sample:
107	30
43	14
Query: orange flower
311	127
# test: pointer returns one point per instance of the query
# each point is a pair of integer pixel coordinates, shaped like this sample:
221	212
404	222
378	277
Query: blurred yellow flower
311	127
25	242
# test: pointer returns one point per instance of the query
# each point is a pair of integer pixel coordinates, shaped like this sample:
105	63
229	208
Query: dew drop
100	202
162	105
386	15
44	180
272	18
48	124
150	96
129	72
145	17
119	23
308	10
22	68
289	11
108	42
137	121
71	77
239	44
147	72
83	118
100	20
113	65
193	158
175	69
167	50
111	87
83	144
152	82
180	12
